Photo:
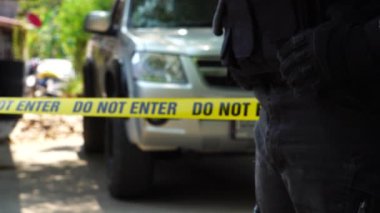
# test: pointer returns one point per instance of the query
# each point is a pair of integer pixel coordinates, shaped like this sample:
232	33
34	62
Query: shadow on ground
9	187
53	175
192	183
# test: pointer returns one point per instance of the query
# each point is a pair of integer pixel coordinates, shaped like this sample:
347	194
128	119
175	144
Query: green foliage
74	87
43	42
70	18
18	43
61	35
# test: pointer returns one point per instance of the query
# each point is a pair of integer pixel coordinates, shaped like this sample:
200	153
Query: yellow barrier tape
159	108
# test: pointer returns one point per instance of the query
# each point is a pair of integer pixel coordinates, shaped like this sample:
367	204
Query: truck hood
194	41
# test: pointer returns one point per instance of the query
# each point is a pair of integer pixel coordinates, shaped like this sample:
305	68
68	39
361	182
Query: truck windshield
171	13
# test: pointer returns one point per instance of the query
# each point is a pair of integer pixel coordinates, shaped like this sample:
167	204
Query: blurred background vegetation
61	34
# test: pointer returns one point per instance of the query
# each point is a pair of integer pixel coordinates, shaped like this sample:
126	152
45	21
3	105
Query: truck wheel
130	170
93	128
93	135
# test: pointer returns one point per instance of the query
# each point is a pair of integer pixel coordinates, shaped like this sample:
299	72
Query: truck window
171	13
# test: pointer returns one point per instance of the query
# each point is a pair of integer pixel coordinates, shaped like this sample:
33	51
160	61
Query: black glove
303	59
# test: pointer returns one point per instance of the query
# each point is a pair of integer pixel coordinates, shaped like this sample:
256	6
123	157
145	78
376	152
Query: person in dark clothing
315	67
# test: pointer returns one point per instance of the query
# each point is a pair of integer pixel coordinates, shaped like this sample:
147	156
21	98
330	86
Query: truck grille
214	73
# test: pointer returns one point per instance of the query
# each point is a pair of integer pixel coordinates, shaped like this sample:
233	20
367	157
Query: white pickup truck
157	48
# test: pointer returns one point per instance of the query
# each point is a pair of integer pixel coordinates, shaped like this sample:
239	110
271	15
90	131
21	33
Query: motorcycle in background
49	78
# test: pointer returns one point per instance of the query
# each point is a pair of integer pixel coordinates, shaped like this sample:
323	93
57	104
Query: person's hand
303	59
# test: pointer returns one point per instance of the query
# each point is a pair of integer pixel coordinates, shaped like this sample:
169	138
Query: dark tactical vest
256	29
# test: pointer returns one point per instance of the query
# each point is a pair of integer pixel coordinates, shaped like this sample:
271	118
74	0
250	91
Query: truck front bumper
195	135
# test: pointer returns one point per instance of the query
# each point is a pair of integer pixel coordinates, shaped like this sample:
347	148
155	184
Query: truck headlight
158	68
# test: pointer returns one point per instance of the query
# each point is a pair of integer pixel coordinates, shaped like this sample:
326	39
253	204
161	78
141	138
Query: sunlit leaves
61	35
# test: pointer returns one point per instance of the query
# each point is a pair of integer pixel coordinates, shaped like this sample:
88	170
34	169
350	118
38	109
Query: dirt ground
46	128
49	173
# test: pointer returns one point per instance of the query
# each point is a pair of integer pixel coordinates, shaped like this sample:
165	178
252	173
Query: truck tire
130	170
93	128
93	135
11	82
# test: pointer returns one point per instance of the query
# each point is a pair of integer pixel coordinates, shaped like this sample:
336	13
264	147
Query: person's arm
233	19
217	23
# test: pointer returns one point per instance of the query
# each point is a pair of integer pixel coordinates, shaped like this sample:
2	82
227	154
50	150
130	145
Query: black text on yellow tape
162	108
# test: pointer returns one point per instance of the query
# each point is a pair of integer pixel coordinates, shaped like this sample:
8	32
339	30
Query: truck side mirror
98	22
